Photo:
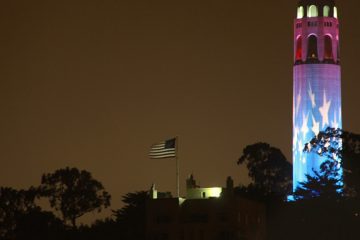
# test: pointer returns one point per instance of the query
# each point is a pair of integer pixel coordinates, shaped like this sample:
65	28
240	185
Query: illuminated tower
317	81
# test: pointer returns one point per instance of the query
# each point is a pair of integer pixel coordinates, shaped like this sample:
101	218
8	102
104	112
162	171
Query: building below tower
206	213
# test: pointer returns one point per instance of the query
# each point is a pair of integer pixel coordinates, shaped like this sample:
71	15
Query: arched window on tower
298	53
338	49
335	12
300	12
312	11
328	53
312	53
326	11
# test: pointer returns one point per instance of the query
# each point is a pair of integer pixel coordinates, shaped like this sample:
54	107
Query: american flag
164	149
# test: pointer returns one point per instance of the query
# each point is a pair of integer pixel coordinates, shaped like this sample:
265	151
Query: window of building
164	236
328	48
335	12
163	219
312	53
222	217
300	12
298	53
312	24
312	11
326	11
197	218
201	235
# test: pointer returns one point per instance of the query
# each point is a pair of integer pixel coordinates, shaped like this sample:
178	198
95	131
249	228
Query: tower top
330	3
316	8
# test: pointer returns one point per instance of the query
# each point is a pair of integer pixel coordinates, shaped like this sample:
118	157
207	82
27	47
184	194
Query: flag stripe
164	156
163	150
157	148
160	145
161	154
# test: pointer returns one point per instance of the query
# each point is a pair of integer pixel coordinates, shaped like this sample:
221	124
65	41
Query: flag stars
304	128
312	97
309	147
324	111
316	126
295	137
335	123
300	146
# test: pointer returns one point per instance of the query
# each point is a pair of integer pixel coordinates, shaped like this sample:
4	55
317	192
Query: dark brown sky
92	84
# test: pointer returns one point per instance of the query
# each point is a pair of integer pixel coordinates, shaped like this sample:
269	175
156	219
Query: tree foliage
132	216
39	225
14	203
268	168
339	145
74	193
326	183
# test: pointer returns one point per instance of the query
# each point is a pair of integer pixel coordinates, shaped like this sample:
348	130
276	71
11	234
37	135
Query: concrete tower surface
317	80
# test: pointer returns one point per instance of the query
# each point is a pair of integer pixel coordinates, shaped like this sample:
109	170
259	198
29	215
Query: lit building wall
317	80
198	193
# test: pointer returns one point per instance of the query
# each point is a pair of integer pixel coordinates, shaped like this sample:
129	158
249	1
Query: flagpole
177	166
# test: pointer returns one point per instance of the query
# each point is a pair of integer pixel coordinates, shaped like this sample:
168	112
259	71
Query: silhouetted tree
40	225
101	229
250	191
74	193
336	145
14	203
325	184
268	168
131	217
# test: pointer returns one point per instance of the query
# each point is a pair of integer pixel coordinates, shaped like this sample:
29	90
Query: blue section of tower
317	105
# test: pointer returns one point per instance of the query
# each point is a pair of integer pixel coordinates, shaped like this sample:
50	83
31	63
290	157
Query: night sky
92	84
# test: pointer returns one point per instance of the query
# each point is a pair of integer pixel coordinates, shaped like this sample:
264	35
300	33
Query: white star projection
298	101
339	113
300	146
304	128
324	111
316	126
295	137
312	97
335	123
309	147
